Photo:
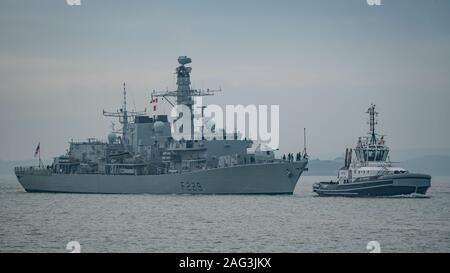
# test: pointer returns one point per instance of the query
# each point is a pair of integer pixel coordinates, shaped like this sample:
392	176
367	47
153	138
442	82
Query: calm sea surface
41	222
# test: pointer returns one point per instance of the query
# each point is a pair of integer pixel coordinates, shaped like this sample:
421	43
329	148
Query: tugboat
373	174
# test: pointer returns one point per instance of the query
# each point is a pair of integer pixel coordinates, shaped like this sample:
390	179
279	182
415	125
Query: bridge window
379	155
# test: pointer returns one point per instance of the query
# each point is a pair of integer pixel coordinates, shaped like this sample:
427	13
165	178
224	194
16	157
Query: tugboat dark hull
387	185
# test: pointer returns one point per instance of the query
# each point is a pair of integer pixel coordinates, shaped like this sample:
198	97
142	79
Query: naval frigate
144	157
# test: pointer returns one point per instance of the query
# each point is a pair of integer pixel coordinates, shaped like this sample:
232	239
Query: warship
144	157
373	174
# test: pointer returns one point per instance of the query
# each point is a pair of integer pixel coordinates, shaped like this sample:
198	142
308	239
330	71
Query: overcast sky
323	62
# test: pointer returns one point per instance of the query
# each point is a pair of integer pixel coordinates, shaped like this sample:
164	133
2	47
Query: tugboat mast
372	122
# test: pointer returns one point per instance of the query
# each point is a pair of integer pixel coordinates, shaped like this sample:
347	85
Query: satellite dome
159	127
112	137
211	125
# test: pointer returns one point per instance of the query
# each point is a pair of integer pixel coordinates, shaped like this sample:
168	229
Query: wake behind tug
373	174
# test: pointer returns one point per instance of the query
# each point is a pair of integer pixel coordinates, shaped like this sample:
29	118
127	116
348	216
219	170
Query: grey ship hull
387	185
269	178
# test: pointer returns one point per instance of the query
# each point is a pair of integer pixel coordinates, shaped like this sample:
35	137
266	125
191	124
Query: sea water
303	222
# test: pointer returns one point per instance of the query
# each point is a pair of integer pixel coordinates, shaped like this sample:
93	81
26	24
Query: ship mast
372	122
124	110
184	94
305	155
124	115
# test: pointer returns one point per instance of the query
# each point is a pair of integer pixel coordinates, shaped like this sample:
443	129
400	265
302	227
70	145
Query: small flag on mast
38	149
154	102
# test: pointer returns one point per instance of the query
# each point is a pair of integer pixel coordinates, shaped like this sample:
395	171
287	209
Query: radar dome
184	60
211	125
159	127
112	137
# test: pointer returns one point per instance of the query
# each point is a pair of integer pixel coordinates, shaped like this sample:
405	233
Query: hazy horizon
324	63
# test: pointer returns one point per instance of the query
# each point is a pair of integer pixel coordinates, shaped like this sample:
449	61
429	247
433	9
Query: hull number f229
188	186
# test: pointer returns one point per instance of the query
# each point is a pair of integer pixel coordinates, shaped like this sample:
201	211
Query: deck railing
32	170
